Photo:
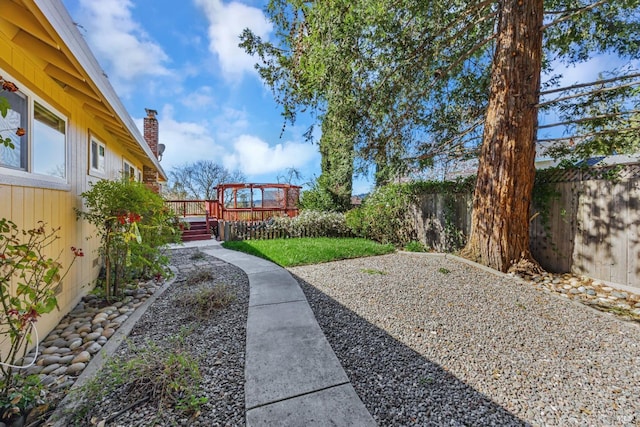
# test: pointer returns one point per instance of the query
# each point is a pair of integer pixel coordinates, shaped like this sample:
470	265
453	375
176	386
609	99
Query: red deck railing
242	202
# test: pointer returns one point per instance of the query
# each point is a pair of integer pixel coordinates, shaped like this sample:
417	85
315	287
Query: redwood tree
501	207
457	78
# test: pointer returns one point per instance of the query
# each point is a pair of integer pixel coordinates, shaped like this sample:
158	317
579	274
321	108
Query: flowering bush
28	279
133	224
312	224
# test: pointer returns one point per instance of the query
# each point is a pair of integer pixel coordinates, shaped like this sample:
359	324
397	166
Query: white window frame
26	176
99	172
133	170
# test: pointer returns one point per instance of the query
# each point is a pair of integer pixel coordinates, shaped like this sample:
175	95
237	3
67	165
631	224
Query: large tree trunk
500	224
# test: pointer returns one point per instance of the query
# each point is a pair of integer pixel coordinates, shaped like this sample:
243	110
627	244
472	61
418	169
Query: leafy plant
133	224
166	375
28	279
312	223
444	270
384	216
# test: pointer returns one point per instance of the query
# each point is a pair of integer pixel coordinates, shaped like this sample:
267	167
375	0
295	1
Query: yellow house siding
28	202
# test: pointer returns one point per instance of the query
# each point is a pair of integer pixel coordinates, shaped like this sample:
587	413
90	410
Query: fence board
593	227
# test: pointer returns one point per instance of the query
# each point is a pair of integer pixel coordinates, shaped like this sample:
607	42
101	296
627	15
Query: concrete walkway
292	376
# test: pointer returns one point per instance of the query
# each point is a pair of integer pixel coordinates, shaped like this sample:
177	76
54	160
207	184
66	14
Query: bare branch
591	92
597	82
574	14
588	135
603	116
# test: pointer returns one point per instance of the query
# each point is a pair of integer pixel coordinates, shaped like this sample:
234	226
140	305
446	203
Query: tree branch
604	132
603	116
592	92
577	86
574	14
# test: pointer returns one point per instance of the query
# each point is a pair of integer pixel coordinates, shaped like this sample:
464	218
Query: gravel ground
433	341
218	343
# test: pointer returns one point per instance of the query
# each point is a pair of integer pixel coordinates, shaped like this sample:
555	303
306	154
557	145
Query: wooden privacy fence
593	227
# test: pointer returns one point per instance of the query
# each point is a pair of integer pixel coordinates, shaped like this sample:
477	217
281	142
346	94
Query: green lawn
301	251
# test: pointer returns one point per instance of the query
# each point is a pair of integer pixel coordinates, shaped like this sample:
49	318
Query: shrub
384	216
312	224
133	224
28	279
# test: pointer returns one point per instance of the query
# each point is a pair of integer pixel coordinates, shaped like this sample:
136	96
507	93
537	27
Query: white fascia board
61	21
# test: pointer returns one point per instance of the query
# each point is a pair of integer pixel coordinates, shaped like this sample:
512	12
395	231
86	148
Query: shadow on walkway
398	385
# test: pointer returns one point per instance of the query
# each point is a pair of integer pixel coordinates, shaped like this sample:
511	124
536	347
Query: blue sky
183	60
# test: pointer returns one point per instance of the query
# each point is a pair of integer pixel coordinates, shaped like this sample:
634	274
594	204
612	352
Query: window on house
17	117
128	170
49	143
42	149
97	153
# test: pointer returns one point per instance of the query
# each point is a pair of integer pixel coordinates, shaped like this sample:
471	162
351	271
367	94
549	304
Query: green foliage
415	246
443	270
133	224
28	279
312	223
317	198
21	397
167	375
302	251
372	271
384	215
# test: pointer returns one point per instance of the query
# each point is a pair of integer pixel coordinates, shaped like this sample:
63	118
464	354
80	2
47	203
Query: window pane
49	143
97	156
94	155
16	118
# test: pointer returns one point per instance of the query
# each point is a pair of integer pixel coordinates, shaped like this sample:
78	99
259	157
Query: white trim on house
59	18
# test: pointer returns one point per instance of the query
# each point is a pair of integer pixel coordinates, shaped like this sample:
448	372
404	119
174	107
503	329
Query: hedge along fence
307	224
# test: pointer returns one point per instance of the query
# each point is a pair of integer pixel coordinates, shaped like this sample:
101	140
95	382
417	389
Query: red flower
9	86
77	251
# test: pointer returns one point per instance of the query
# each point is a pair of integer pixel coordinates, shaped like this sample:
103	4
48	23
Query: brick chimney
150	175
151	130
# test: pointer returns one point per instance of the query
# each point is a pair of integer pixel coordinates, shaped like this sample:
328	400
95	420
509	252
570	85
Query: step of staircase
196	231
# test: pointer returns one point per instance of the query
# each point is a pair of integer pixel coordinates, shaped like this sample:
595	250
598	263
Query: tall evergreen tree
458	78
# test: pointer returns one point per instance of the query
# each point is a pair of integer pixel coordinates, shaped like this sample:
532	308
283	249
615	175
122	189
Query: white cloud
185	142
199	99
120	41
226	22
253	156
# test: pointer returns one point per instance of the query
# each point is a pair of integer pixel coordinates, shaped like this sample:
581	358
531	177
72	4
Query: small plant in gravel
415	246
206	300
166	376
197	277
443	270
372	271
197	256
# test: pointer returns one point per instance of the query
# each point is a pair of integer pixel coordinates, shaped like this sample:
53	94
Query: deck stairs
197	231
